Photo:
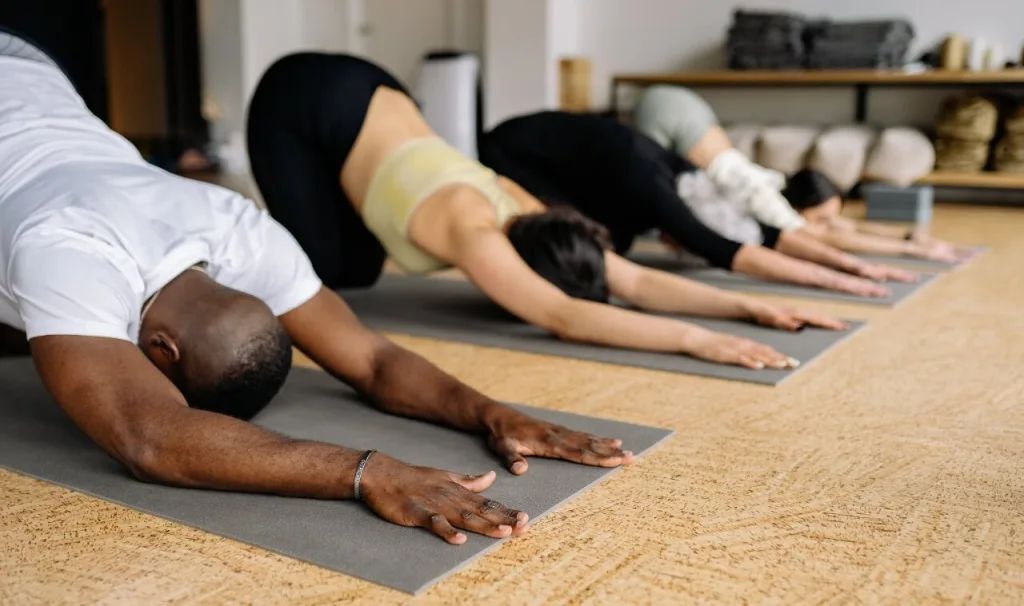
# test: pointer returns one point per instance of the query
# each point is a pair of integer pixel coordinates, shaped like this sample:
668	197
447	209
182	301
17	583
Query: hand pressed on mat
400	382
444	502
437	500
514	436
727	349
883	273
791	318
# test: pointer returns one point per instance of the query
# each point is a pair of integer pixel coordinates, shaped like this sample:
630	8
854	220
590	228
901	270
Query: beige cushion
900	156
784	148
840	154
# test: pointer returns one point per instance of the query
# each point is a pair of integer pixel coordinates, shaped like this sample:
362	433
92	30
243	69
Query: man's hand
789	318
514	436
438	500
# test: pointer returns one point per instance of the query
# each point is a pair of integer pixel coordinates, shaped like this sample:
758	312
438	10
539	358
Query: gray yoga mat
729	280
37	439
925	265
455	310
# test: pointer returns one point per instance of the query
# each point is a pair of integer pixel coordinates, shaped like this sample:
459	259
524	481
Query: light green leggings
676	117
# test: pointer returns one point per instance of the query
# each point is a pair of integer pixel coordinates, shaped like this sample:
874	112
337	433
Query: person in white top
160	313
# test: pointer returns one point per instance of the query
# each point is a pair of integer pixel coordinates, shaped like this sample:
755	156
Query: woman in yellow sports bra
346	162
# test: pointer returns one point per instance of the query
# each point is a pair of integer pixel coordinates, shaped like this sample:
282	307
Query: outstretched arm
403	383
850	235
491	262
771	265
676	220
808	246
661	291
125	405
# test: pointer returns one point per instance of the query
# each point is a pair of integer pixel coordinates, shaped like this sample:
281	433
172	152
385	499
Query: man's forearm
404	383
195	448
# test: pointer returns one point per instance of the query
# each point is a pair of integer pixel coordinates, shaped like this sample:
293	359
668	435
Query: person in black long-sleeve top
627	182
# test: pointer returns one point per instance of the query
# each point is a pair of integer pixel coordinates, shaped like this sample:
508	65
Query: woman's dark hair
809	188
566	249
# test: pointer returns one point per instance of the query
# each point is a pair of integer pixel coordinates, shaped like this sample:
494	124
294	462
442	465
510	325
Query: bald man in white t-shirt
161	313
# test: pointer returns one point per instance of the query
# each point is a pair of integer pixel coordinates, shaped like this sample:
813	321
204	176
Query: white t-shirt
89	230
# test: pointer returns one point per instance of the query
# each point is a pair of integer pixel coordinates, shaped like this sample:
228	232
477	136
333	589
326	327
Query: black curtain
181	54
71	31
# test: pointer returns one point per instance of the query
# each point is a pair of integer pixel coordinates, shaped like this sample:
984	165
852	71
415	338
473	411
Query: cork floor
892	472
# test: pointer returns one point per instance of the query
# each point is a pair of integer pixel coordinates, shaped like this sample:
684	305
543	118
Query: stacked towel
778	40
1010	150
766	40
858	44
965	130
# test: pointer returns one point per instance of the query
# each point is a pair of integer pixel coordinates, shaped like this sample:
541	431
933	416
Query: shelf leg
861	115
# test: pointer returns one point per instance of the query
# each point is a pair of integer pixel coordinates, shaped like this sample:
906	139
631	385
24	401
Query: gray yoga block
891	203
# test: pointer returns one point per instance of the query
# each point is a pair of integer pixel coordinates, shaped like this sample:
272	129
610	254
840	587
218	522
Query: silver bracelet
359	472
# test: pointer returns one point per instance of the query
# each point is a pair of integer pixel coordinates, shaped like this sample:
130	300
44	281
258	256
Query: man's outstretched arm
121	401
403	383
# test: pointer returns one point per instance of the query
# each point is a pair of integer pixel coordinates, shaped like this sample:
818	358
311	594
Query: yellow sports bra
409	176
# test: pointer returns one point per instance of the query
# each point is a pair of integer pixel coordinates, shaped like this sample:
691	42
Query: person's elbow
147	456
567	320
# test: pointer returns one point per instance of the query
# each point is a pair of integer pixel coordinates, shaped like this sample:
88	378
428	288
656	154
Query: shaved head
224	350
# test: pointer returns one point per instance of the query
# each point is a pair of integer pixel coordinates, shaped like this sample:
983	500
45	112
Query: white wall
526	38
515	58
667	35
240	39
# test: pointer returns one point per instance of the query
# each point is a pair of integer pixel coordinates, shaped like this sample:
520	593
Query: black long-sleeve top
610	173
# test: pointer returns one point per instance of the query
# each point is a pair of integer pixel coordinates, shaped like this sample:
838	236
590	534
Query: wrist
372	476
748	309
689	337
493	417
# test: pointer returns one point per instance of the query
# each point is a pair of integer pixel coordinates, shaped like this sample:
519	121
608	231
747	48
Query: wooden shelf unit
983	180
827	77
861	80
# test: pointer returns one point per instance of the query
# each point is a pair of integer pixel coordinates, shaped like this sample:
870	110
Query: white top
89	230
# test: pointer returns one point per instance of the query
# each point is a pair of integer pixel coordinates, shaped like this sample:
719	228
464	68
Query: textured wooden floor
891	472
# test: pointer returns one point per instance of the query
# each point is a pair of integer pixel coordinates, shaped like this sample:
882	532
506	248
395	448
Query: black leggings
303	120
607	171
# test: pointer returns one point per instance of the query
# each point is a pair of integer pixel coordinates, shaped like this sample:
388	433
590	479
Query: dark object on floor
456	310
37	439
